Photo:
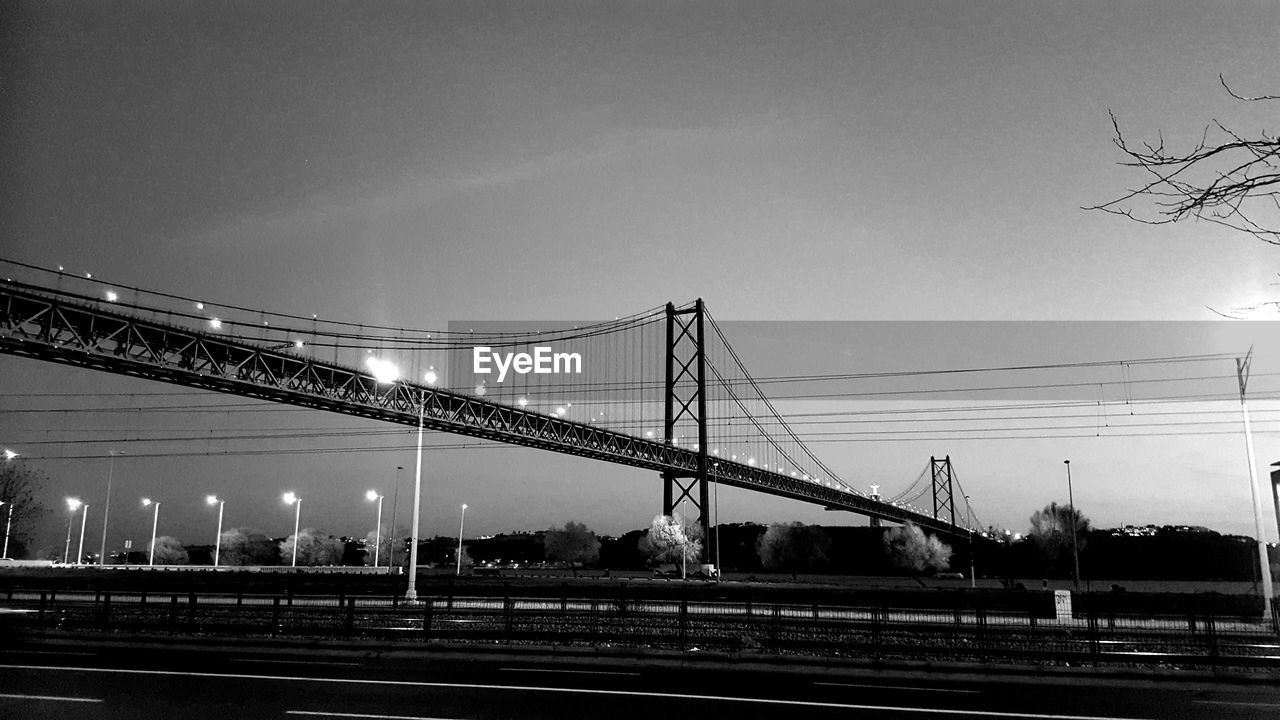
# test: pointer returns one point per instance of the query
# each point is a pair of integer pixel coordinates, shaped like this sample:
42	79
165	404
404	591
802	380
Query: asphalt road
192	682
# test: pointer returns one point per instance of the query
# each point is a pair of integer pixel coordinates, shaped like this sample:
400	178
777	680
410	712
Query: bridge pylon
943	500
686	403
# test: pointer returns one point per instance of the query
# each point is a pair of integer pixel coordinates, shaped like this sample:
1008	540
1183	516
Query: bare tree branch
1225	178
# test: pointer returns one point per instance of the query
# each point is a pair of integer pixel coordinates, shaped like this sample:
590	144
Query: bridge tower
943	501
686	403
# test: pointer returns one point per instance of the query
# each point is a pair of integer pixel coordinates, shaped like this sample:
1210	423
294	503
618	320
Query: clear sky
409	164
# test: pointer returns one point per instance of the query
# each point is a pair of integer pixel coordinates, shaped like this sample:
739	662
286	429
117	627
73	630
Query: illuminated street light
155	522
377	532
292	499
9	454
73	504
217	540
458	569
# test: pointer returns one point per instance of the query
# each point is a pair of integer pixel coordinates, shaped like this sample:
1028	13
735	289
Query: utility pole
1242	375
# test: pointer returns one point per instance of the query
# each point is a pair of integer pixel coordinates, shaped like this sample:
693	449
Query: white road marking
578	691
569	672
319	714
900	687
49	697
1241	703
51	652
294	662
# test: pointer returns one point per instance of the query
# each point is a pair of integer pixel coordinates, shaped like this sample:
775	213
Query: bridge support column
686	415
943	500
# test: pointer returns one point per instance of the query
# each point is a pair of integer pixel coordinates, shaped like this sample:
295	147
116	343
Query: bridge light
560	411
9	454
112	296
89	275
648	433
215	323
199	306
298	344
431	377
751	461
523	401
384	371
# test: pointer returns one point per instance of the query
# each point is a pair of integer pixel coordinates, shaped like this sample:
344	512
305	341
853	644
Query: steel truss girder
47	327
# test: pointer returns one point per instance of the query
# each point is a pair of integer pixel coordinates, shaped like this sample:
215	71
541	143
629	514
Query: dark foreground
110	678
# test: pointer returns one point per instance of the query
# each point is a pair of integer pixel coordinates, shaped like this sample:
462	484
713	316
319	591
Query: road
238	682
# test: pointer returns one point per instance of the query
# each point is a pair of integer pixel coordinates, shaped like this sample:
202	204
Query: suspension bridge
663	389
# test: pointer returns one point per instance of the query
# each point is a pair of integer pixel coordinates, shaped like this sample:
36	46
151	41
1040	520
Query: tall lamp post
973	581
1075	543
7	523
73	504
291	498
84	516
106	507
411	594
458	570
377	529
155	522
217	539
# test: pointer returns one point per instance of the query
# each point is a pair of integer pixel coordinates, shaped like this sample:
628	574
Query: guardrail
874	631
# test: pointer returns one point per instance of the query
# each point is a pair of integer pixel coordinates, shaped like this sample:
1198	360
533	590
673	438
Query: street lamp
73	504
458	569
155	522
292	499
377	530
217	540
106	507
1075	546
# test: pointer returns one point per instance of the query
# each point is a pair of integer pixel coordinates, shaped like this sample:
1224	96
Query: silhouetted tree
911	549
19	486
169	551
793	546
314	548
574	544
1051	531
245	546
669	540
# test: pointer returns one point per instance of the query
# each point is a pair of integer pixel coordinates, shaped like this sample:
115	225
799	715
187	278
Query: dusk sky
411	164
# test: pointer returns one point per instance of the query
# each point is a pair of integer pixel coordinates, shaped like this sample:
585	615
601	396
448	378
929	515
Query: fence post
40	616
684	622
564	598
508	611
876	631
350	620
275	615
774	640
1211	636
105	619
1095	647
191	610
980	621
428	606
173	613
